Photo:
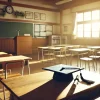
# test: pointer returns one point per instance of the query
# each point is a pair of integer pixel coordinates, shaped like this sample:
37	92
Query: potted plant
19	13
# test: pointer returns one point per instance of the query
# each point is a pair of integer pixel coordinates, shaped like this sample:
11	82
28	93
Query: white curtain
75	25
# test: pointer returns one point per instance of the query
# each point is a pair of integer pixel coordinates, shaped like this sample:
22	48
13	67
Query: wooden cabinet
54	40
23	45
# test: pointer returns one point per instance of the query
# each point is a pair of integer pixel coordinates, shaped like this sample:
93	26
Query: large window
88	24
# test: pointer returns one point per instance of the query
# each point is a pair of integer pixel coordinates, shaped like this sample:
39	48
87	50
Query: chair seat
60	55
67	55
98	52
86	58
93	56
49	54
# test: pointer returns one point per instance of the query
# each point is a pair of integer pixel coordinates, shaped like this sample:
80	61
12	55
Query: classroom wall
68	20
52	17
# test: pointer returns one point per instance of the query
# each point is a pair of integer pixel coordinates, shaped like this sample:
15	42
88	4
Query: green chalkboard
10	29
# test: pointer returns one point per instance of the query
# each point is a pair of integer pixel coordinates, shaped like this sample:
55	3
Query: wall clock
9	9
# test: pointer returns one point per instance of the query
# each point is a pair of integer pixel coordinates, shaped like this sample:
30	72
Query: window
88	24
42	30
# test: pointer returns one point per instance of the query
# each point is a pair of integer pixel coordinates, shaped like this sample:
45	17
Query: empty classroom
49	49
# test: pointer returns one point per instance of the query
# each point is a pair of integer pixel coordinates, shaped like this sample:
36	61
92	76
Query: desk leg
28	66
6	71
42	55
38	54
23	63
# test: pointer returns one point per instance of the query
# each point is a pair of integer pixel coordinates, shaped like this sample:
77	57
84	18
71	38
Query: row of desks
69	47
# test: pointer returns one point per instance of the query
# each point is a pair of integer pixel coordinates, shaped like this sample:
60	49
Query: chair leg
85	64
89	65
4	94
80	64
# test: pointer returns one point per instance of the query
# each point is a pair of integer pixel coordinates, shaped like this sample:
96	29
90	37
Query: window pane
87	16
87	34
80	34
87	30
80	27
95	26
80	17
80	30
87	27
95	14
42	33
95	34
95	29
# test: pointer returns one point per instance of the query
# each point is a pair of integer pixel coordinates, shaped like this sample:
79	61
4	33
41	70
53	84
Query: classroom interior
27	27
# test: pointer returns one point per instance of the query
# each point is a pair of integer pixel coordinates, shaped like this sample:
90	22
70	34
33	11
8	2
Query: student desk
5	60
42	49
41	86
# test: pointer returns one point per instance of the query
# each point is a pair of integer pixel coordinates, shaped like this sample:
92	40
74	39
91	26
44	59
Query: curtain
75	26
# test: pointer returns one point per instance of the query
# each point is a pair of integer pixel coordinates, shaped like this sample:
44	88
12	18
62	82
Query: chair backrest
62	51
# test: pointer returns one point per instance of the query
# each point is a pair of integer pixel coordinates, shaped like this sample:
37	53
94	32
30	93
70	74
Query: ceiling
46	2
52	3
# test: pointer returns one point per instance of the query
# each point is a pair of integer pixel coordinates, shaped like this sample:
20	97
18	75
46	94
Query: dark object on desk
63	72
86	80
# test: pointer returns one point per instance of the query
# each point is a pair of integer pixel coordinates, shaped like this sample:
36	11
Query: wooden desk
46	48
94	47
41	86
11	59
41	49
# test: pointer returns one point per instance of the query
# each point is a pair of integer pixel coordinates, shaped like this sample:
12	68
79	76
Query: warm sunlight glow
80	17
95	15
87	30
80	30
87	16
95	29
88	24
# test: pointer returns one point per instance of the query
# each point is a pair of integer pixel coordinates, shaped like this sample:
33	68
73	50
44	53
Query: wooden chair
87	59
62	55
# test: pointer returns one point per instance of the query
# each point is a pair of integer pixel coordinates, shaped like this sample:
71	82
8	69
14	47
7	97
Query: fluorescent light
62	2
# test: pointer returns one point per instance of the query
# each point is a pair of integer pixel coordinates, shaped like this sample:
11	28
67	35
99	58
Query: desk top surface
41	86
79	49
2	53
14	58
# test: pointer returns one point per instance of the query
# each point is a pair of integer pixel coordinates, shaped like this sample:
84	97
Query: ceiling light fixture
62	2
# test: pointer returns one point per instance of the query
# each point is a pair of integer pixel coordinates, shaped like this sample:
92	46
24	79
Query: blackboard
10	29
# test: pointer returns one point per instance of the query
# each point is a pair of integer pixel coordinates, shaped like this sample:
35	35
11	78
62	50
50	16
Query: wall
69	21
52	17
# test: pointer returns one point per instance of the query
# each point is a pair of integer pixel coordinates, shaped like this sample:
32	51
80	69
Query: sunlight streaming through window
87	16
95	14
80	17
88	24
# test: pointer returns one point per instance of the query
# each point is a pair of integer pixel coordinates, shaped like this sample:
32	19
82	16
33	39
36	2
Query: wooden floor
37	65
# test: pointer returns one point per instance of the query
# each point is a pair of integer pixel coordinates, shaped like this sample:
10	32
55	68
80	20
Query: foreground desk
11	59
41	86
